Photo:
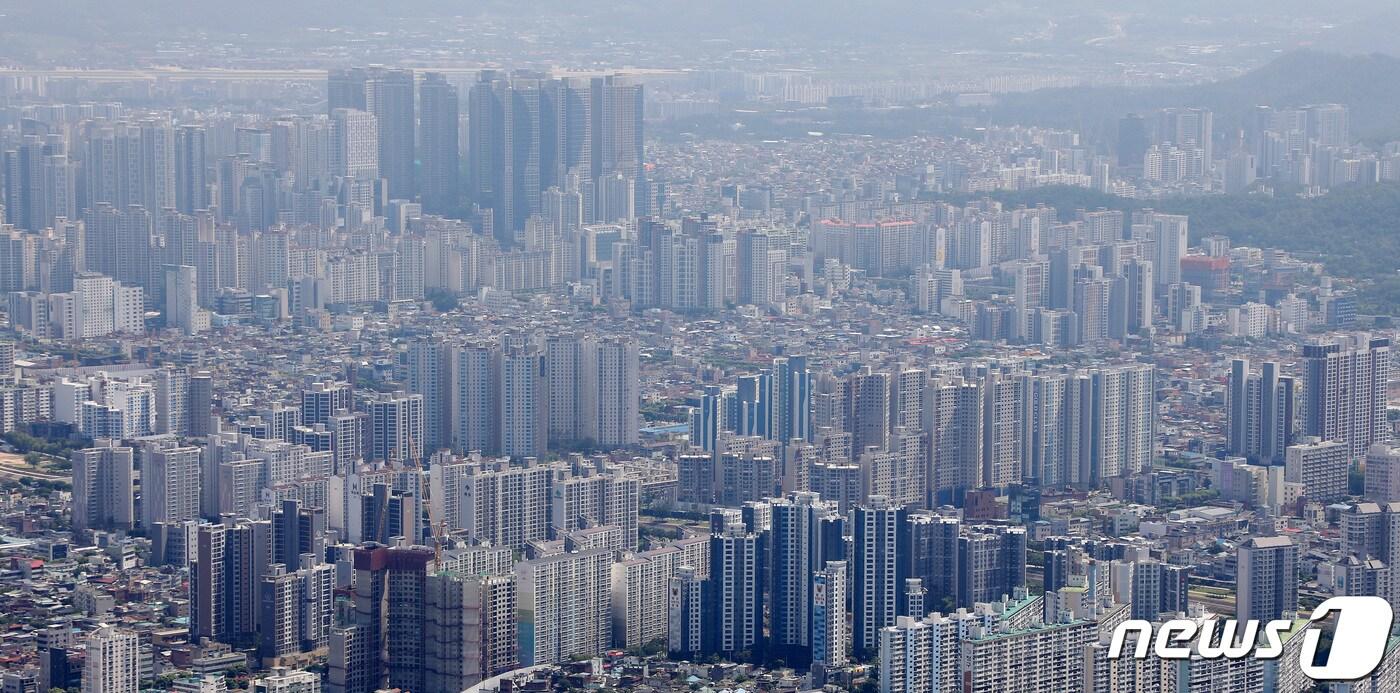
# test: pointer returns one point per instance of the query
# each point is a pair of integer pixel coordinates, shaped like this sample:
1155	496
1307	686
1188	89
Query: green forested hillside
1354	230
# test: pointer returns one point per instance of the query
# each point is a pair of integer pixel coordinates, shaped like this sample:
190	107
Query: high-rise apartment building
1346	391
881	565
113	661
991	563
1169	234
382	642
1320	466
355	144
733	594
799	550
389	96
102	488
1382	482
1266	578
564	605
438	102
397	427
470	629
529	134
170	484
229	561
1261	412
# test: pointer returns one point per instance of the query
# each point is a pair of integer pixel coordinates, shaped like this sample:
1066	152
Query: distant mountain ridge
1365	83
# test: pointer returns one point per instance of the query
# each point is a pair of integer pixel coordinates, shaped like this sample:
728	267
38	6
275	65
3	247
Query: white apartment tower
113	661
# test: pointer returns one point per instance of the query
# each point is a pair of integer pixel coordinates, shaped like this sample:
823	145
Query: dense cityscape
500	351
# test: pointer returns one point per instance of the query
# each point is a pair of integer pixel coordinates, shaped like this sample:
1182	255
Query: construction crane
436	525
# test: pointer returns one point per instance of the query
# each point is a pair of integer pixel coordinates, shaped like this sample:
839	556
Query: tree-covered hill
1354	231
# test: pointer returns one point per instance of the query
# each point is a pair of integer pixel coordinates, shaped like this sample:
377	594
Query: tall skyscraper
1158	588
752	274
933	547
323	399
296	530
1169	234
831	635
429	374
200	403
1383	473
882	554
181	308
1122	424
382	643
38	184
1370	547
792	408
1140	293
686	619
1092	297
613	375
509	505
1189	128
1327	125
868	411
438	121
596	499
618	136
796	545
345	88
296	608
397	427
389	95
521	414
529	134
355	144
230	559
953	419
386	513
191	169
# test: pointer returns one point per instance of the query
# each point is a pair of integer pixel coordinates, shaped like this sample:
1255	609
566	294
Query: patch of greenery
57	447
1352	230
444	301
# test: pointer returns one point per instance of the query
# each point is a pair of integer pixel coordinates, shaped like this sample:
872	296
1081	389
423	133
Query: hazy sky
671	32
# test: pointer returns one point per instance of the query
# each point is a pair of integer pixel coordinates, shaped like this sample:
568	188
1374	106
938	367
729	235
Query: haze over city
444	347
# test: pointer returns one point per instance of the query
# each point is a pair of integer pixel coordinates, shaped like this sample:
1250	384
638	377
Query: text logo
1362	630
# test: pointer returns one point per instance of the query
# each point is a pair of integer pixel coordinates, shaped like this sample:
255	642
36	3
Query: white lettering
1230	647
1175	631
1120	634
1273	635
1363	627
1362	632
